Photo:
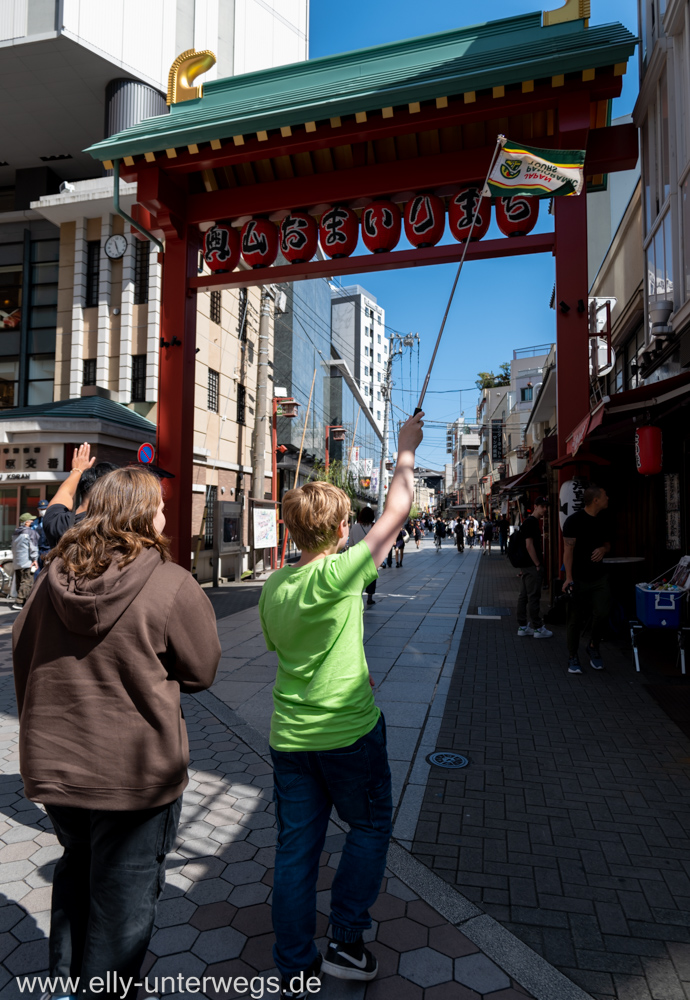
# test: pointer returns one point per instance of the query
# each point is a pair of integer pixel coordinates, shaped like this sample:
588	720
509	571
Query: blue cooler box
658	608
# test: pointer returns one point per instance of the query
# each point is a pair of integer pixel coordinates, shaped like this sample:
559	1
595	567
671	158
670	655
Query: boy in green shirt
328	738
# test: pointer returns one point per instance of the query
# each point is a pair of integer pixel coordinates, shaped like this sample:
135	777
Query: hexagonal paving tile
203	868
174	911
173	940
219	944
448	940
403	934
212	915
243	872
480	974
249	895
426	967
394	988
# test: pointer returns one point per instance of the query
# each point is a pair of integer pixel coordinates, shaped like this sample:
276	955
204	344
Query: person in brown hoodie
111	634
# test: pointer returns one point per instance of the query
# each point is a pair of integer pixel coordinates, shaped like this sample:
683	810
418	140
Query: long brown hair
118	524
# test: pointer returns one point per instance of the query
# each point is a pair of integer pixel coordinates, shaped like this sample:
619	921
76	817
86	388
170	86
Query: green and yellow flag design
541	173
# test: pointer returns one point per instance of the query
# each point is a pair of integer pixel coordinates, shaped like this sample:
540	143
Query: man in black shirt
60	513
585	537
532	574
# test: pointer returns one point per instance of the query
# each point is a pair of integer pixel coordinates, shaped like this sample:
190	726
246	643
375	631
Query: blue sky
500	304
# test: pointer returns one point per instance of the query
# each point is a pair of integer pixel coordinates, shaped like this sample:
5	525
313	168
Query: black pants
530	594
461	543
589	596
105	890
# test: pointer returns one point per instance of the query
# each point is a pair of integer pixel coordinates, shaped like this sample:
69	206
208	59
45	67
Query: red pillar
572	285
176	387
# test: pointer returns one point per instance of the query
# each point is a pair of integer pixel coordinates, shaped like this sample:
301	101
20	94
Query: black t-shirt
531	528
590	533
57	520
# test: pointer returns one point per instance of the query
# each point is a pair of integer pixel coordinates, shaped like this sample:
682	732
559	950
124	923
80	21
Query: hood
21	530
92	607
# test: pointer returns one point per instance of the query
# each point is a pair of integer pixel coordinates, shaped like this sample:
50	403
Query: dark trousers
588	597
23	581
461	543
504	541
356	780
105	890
370	591
530	594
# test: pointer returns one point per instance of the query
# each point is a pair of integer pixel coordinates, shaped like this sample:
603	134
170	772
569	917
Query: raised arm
81	461
400	493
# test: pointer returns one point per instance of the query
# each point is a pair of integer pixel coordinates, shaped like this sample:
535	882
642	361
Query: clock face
115	247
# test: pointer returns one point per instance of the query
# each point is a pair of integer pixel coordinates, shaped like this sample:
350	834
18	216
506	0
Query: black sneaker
300	980
350	961
574	665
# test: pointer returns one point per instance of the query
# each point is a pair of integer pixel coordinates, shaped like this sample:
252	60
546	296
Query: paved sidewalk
571	824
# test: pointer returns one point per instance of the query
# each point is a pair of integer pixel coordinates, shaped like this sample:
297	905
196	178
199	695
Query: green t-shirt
312	616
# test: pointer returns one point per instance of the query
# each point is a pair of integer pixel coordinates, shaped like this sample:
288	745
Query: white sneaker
525	630
542	633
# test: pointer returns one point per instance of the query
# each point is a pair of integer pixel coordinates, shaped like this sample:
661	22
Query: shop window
41	379
9	373
93	257
89	376
139	378
241	404
211	497
142	256
213	390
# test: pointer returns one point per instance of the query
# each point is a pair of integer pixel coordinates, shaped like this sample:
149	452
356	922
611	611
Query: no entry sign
146	454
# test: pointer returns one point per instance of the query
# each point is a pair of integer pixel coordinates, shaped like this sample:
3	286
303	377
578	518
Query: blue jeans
105	890
356	780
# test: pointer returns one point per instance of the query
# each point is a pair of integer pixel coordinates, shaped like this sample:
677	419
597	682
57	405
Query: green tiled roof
498	53
85	407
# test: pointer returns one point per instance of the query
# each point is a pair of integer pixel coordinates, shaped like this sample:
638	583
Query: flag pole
500	140
299	462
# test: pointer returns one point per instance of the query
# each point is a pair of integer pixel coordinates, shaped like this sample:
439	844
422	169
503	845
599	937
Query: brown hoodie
98	669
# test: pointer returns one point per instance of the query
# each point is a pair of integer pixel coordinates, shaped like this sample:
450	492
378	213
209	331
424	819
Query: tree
487	380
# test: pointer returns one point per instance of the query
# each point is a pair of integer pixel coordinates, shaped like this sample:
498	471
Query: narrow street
553	866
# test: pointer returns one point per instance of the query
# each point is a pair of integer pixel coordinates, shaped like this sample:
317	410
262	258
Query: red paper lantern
648	450
259	242
381	225
517	214
222	248
299	235
339	231
461	209
425	220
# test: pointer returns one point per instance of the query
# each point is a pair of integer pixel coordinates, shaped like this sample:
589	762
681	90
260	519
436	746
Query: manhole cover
493	611
445	758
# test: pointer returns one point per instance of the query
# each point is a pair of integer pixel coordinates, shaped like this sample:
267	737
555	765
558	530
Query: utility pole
400	342
262	400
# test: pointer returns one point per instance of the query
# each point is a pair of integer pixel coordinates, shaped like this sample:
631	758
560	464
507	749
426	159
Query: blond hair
312	514
118	524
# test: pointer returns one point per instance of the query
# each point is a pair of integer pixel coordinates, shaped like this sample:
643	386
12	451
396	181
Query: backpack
441	530
517	550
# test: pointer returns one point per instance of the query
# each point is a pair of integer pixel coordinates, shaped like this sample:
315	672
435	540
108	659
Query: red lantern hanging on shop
425	220
517	214
648	450
259	242
461	209
381	225
339	231
222	248
299	236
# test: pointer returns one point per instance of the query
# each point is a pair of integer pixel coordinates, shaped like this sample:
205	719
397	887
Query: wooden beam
448	253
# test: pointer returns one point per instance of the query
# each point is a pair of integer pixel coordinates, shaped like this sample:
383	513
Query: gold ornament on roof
186	68
572	10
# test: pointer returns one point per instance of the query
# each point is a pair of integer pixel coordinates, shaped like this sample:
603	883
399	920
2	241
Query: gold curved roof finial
186	68
572	10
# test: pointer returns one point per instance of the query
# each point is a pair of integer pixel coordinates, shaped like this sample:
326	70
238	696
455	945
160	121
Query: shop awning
533	476
613	409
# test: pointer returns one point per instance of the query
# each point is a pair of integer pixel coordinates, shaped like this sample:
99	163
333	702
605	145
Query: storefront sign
570	499
265	528
32	477
496	440
27	458
672	504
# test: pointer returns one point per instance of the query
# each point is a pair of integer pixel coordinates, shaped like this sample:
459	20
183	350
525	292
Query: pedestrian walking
503	532
69	505
360	530
586	543
439	533
532	574
24	559
469	532
460	535
487	536
417	533
400	540
328	738
111	634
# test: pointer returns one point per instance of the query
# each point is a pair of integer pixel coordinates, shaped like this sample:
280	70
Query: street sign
146	454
